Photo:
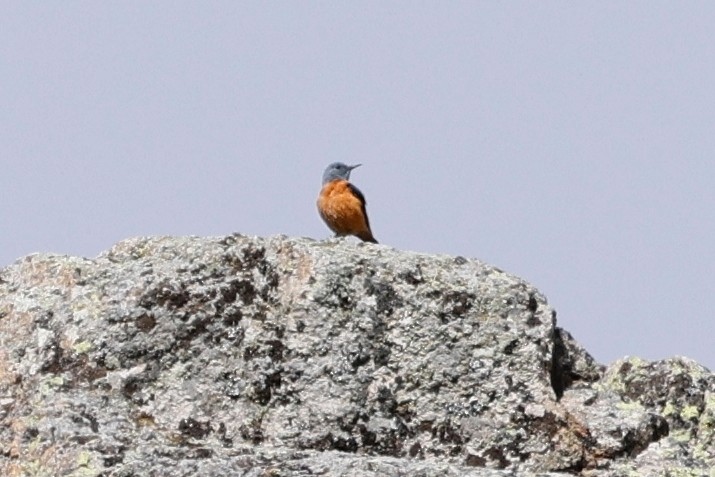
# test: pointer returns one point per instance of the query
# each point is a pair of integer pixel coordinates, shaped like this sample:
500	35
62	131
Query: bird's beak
355	166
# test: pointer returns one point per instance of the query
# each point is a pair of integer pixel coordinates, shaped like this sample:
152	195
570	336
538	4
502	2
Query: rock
282	356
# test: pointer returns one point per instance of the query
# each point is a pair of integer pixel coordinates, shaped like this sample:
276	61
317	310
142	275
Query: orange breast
341	209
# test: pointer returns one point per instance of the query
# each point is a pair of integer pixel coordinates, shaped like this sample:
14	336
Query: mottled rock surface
282	356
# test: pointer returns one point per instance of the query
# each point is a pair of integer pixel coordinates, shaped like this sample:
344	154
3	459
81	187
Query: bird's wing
356	192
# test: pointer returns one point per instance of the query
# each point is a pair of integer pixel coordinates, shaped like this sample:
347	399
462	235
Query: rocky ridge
283	356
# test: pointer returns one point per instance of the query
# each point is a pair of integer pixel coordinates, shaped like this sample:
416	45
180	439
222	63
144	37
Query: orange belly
341	210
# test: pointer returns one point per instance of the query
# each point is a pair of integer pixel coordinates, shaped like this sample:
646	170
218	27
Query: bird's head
338	170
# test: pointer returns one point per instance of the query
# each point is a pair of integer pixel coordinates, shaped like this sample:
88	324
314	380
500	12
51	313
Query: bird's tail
367	237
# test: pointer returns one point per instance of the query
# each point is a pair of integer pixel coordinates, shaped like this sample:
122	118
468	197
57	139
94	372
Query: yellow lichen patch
668	409
86	306
706	426
82	347
680	436
619	370
84	466
689	412
702	452
49	385
684	472
630	406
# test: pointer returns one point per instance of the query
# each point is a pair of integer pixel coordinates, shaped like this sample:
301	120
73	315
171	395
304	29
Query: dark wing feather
356	192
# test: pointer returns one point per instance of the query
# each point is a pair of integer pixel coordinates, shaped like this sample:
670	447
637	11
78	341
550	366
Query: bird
341	205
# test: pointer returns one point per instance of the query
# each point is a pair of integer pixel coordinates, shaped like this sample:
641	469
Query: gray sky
569	143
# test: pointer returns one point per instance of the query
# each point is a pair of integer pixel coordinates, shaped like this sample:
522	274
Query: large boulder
282	356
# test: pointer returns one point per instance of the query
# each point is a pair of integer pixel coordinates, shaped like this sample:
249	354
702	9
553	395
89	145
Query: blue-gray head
338	170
